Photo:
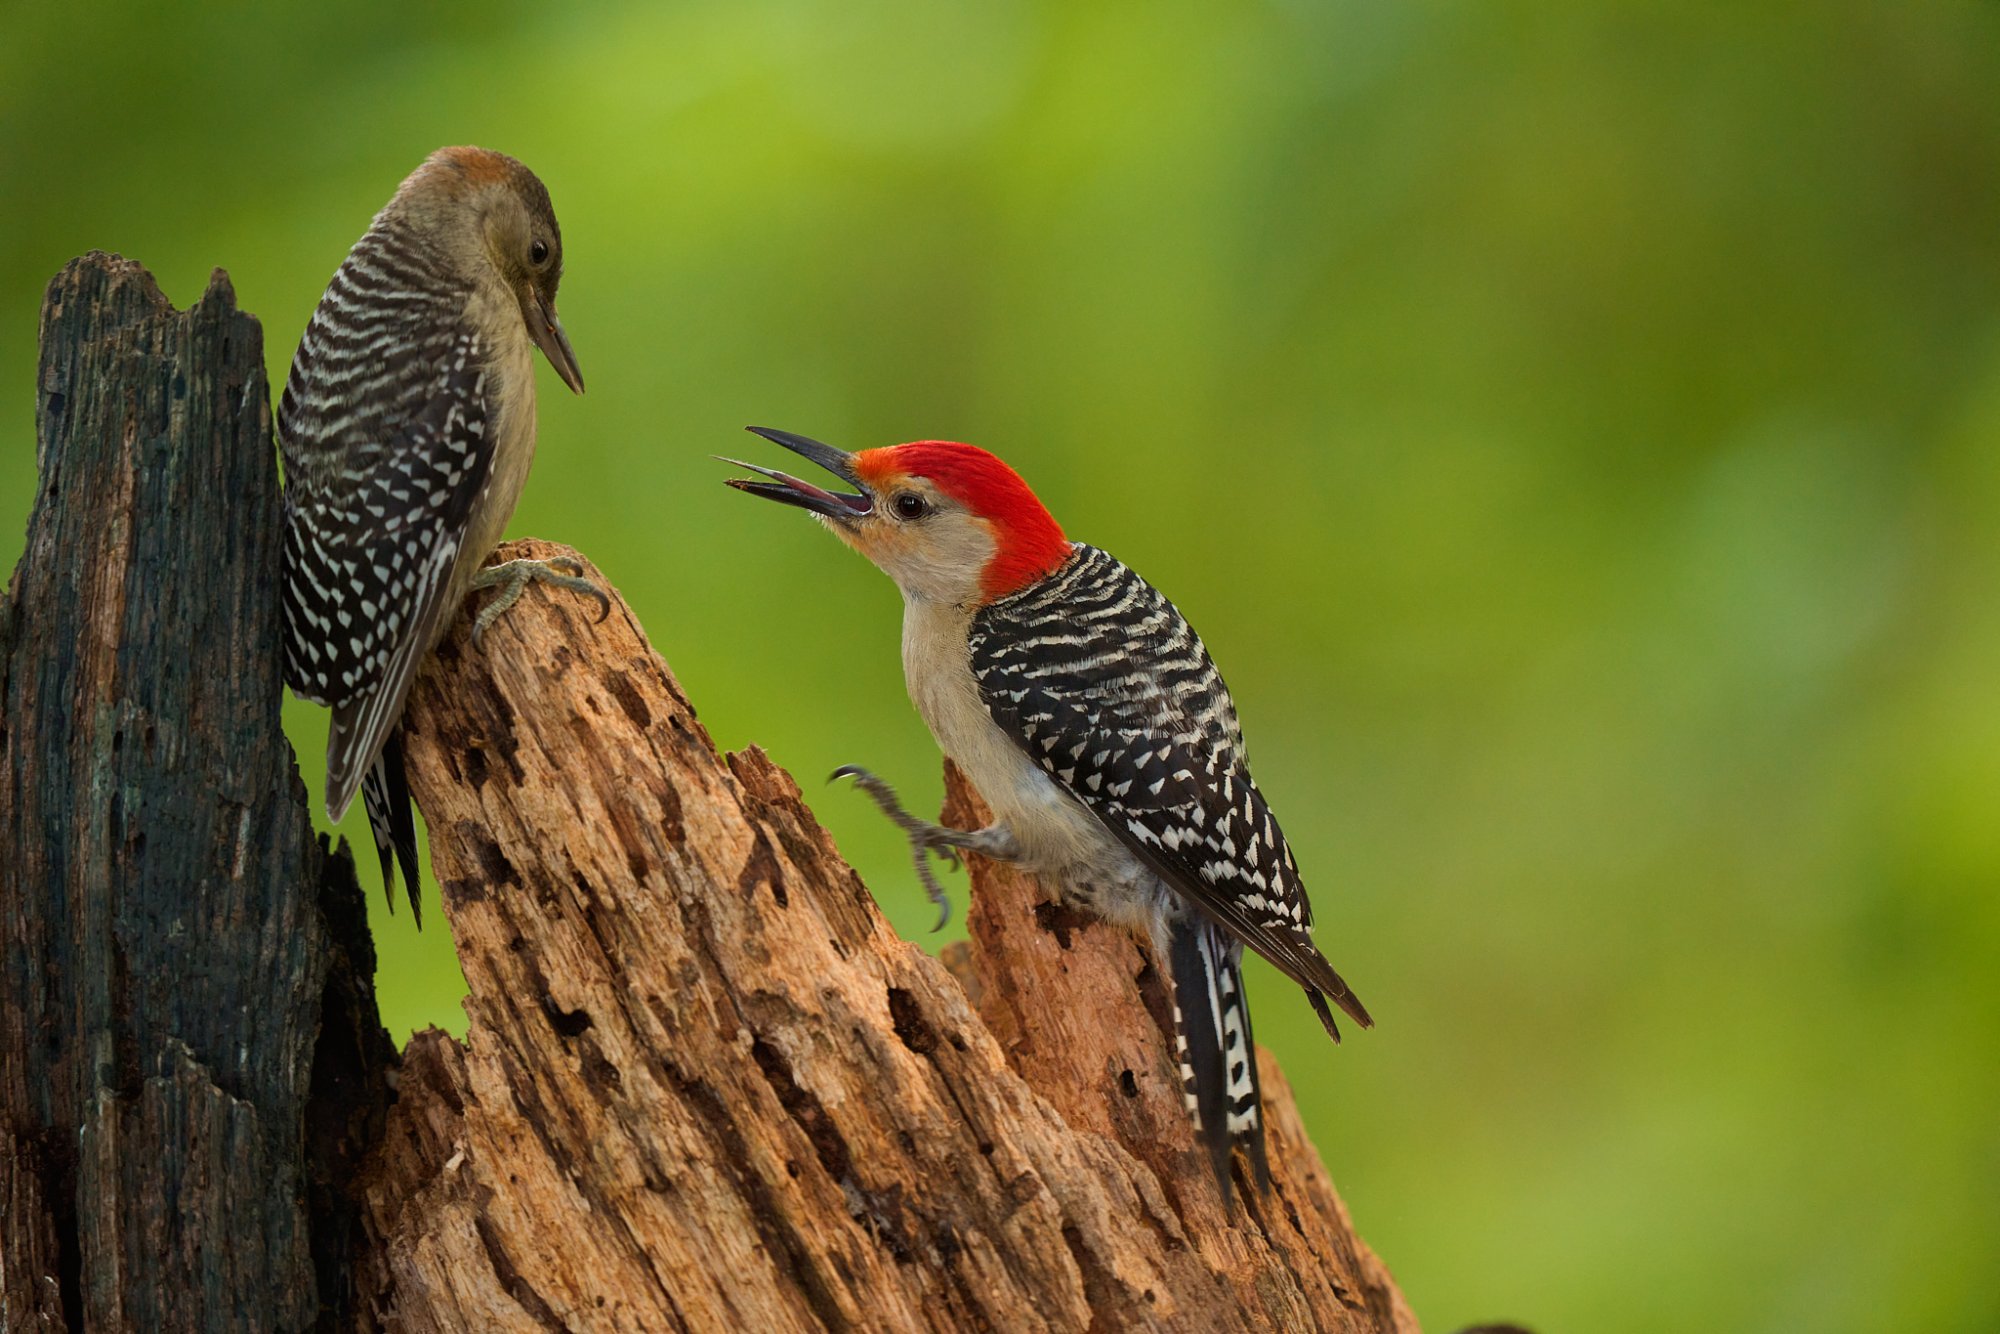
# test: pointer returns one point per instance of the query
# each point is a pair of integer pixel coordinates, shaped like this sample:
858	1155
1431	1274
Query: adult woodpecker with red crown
1091	718
406	428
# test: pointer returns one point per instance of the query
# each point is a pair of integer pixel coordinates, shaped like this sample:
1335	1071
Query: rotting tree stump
190	1059
705	1086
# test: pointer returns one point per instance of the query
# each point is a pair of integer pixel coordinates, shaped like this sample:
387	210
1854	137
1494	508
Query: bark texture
706	1087
190	1062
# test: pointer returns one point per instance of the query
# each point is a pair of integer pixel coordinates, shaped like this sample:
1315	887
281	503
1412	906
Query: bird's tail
1217	1056
1323	982
385	792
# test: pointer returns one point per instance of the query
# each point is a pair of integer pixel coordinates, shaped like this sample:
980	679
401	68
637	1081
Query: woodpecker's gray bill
789	490
539	314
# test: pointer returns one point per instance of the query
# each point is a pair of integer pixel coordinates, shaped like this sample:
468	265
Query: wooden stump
190	1061
706	1086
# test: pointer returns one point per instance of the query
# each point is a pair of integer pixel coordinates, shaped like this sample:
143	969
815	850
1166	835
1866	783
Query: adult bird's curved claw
925	837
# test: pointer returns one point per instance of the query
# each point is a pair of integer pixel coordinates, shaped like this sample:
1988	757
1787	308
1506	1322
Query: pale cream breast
1057	835
511	389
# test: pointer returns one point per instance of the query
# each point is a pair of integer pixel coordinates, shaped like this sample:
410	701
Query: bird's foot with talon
513	577
928	837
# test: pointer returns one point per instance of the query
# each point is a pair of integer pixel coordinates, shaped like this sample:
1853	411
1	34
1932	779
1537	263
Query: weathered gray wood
190	1058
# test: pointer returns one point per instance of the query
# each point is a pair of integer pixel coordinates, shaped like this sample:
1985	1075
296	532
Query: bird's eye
910	505
538	253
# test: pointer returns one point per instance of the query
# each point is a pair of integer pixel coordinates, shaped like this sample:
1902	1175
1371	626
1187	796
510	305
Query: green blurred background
1576	434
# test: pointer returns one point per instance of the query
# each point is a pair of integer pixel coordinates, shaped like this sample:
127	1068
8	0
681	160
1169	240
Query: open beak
547	331
789	490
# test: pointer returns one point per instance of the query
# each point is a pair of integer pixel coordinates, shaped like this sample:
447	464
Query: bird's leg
513	577
994	841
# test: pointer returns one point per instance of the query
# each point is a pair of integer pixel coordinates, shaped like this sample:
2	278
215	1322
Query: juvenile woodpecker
1089	715
406	428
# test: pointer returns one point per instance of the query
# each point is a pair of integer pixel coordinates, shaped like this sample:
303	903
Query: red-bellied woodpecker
407	427
1088	714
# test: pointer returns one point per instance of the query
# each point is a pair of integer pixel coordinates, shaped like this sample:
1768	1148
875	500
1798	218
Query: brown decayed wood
706	1087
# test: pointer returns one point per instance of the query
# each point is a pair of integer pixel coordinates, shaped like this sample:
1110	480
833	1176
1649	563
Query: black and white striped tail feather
383	785
385	795
1213	1043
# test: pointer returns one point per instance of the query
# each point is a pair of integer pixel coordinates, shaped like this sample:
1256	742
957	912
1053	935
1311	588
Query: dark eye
910	506
538	253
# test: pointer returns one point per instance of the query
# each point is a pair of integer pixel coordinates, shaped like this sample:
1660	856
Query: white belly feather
1059	838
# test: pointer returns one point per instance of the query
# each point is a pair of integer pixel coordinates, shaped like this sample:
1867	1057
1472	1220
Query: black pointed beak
547	331
789	490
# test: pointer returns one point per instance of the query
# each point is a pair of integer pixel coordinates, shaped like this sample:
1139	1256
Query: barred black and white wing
387	440
1102	682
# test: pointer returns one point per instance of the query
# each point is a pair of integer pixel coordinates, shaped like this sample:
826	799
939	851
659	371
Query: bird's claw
932	887
513	577
573	569
924	836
